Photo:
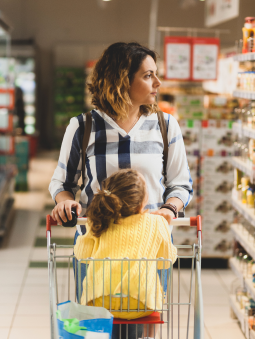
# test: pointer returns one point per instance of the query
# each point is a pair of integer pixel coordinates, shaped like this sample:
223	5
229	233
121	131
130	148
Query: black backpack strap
162	125
85	142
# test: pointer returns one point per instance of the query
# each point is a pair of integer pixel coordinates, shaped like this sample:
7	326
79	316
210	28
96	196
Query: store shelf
243	130
238	312
247	212
242	237
244	94
234	264
249	132
244	57
245	166
237	128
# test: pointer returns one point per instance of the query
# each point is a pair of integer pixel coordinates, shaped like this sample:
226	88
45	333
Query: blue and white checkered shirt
110	148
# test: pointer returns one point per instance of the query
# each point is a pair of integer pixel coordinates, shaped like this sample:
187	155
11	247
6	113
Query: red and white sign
191	59
177	58
205	52
7	98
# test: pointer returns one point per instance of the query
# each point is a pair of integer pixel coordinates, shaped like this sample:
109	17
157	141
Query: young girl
118	227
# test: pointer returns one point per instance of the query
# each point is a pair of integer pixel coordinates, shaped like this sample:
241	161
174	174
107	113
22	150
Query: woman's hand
67	205
166	213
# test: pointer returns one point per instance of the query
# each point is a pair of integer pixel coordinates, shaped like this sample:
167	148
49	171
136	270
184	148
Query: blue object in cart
85	321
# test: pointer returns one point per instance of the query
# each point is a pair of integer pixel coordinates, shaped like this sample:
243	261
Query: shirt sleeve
68	171
178	179
167	250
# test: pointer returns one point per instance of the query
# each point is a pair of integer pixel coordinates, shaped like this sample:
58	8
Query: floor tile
223	332
29	333
31	321
7	309
216	321
33	309
5	321
4	332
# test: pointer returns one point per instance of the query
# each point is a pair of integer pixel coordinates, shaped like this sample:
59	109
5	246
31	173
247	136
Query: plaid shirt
110	148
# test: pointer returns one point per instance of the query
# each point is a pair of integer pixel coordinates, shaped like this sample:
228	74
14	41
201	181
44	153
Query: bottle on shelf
248	32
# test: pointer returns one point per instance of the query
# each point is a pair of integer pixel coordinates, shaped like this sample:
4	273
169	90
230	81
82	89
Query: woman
125	134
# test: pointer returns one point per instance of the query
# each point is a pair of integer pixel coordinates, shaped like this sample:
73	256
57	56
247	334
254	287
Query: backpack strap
162	125
85	142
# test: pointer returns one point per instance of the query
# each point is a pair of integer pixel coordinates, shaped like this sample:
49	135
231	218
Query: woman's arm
65	203
168	214
178	183
64	182
178	180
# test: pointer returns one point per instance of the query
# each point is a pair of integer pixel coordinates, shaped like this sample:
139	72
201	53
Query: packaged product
248	32
250	197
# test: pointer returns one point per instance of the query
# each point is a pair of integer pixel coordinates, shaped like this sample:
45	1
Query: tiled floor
24	305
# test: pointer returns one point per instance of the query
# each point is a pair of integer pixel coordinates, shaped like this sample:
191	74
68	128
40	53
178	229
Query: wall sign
177	58
205	53
193	59
217	11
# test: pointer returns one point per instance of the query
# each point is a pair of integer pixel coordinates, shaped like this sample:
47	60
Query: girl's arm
166	250
84	246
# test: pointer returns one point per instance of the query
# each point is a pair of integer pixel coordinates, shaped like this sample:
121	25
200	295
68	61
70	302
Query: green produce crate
21	183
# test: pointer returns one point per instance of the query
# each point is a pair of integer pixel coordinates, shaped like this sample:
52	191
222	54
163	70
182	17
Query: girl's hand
62	207
166	213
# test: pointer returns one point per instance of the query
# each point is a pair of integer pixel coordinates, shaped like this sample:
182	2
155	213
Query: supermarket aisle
24	306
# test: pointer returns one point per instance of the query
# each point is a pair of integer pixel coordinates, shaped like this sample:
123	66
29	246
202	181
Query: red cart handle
50	222
196	222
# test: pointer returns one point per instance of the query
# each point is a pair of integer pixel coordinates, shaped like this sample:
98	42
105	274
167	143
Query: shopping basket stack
171	311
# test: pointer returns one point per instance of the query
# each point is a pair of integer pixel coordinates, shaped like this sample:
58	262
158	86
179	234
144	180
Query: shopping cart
164	315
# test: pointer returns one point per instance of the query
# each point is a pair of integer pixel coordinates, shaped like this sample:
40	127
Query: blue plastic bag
78	321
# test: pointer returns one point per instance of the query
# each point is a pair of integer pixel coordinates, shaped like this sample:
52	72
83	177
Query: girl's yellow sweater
137	236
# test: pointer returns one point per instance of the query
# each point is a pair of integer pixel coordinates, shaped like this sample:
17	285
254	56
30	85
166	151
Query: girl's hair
113	75
122	195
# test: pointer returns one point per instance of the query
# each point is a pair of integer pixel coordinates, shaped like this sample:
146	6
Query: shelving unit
245	166
241	235
247	212
243	130
7	149
244	94
244	57
244	239
238	272
238	312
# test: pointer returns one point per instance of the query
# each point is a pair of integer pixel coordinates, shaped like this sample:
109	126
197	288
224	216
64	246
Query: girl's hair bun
121	195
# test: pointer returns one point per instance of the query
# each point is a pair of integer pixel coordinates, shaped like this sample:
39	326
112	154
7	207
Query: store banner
177	58
191	59
205	53
218	11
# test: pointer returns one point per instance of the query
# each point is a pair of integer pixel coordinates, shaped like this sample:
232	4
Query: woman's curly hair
122	195
113	75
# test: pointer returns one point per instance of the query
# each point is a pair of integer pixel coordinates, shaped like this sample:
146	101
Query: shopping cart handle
192	222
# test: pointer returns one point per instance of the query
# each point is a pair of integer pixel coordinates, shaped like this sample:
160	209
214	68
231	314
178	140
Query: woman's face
143	89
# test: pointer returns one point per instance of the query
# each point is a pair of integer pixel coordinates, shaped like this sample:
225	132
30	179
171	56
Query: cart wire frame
167	304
